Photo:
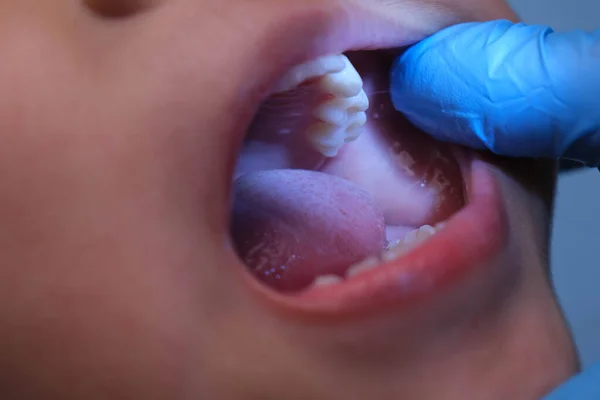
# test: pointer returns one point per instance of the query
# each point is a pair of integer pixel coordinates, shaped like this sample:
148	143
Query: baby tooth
360	102
357	120
410	241
353	133
334	63
344	83
333	111
365	265
339	110
326	280
340	119
326	138
419	235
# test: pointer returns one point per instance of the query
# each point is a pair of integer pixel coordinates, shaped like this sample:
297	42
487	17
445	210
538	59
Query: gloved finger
515	89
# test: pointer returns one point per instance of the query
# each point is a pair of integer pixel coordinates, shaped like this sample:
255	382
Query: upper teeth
341	118
309	70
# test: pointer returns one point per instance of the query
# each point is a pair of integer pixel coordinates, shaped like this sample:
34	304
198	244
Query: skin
119	136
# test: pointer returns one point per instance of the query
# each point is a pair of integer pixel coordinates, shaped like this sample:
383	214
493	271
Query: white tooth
334	111
357	119
342	110
345	83
326	280
340	119
418	236
360	102
326	138
367	264
334	63
410	241
353	133
394	251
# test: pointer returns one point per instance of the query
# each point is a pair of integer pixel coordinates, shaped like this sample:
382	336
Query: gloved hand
515	89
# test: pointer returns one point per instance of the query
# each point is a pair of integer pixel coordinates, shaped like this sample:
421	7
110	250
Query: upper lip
306	30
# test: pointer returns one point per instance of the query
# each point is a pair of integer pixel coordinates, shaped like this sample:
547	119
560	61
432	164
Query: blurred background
576	234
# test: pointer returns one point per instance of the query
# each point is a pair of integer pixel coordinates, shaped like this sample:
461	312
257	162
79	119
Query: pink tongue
290	226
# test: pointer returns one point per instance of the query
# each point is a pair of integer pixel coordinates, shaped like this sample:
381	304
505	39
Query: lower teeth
412	240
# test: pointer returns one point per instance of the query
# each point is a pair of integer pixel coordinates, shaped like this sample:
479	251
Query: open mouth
339	203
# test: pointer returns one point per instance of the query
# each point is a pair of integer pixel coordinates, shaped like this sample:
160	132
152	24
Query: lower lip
469	239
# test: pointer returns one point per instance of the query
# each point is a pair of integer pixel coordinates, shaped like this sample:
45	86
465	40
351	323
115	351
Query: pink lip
471	238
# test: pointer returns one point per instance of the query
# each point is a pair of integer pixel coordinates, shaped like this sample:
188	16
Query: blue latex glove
515	89
585	386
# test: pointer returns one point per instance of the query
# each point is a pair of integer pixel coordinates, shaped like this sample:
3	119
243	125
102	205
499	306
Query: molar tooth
365	265
341	118
410	241
418	236
342	110
353	133
326	280
333	63
333	111
344	83
326	138
357	119
360	102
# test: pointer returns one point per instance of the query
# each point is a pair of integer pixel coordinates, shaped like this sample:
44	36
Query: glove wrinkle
518	90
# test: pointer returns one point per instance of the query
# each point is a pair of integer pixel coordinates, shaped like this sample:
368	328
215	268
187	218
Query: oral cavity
327	187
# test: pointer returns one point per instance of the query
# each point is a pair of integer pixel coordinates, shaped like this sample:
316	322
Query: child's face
120	122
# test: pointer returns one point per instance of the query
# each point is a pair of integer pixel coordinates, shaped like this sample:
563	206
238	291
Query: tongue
290	226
